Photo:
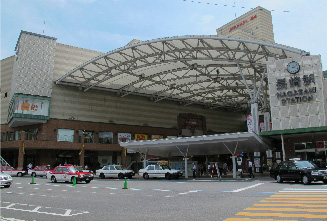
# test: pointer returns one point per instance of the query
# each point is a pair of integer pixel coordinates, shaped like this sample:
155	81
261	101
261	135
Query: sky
105	25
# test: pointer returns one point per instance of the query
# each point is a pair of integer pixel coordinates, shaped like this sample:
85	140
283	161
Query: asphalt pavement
203	198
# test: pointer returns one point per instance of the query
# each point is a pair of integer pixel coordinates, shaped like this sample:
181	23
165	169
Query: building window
10	136
31	134
88	136
18	135
106	137
3	136
65	135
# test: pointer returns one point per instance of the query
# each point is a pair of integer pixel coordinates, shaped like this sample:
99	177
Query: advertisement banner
249	121
155	137
141	137
31	106
124	137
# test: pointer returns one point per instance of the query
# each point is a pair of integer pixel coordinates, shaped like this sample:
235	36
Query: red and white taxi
67	174
11	171
40	170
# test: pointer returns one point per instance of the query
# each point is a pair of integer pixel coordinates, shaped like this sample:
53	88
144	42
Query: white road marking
67	213
244	188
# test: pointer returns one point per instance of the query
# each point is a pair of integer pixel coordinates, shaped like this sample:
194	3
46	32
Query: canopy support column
233	158
234	166
185	161
208	162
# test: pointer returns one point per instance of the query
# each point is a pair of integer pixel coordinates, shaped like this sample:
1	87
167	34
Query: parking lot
154	199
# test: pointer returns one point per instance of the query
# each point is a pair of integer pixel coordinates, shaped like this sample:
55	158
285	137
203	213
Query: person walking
250	169
225	168
194	170
29	166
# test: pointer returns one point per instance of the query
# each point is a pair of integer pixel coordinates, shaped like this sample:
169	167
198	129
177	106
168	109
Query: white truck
160	172
114	171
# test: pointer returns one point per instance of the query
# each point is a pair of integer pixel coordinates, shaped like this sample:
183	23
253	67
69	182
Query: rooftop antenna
43	27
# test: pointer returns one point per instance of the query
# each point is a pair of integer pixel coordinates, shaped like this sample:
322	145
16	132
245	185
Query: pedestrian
86	167
220	168
250	169
29	166
194	170
225	168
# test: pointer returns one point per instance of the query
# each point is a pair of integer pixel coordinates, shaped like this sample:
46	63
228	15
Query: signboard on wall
124	137
141	137
296	93
33	106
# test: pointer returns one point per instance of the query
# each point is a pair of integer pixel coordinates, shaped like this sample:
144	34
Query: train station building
64	104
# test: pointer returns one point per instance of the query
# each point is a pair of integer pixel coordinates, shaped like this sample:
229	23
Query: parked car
68	173
114	171
40	170
11	171
299	171
5	180
160	171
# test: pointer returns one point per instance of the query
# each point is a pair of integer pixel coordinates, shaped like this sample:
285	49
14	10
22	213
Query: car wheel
53	179
6	186
19	174
102	176
279	179
87	181
33	174
130	177
120	176
146	176
325	181
305	180
169	176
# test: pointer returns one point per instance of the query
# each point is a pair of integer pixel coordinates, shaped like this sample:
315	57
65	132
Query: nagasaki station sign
296	93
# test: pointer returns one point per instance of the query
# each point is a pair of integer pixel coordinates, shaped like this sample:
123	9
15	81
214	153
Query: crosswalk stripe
302	195
294	198
288	201
312	216
289	210
289	205
296	193
248	219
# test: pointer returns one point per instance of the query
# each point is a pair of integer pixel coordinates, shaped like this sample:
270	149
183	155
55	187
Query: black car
298	171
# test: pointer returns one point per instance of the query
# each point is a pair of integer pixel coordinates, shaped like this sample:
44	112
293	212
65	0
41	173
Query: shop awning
229	143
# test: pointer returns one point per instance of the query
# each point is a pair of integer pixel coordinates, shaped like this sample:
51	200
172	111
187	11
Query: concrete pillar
123	157
21	152
144	161
234	166
185	161
255	117
81	153
266	117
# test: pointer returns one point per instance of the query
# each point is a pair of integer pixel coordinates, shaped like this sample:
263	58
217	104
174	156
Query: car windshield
118	167
75	169
305	164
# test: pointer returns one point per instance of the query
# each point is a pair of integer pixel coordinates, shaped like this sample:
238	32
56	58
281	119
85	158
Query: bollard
74	182
125	184
32	180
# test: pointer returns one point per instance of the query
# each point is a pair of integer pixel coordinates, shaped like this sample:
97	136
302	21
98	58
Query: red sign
242	23
320	144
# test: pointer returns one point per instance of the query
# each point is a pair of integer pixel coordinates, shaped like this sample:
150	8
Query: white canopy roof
200	145
208	70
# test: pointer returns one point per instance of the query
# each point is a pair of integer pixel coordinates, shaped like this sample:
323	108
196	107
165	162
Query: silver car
5	180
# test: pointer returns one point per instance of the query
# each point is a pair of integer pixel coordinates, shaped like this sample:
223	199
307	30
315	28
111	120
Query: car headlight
81	176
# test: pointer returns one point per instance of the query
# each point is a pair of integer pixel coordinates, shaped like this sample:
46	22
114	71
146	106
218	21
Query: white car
5	180
160	172
12	171
114	171
40	170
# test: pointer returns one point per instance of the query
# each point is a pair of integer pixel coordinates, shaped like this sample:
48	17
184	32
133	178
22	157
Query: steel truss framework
208	70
